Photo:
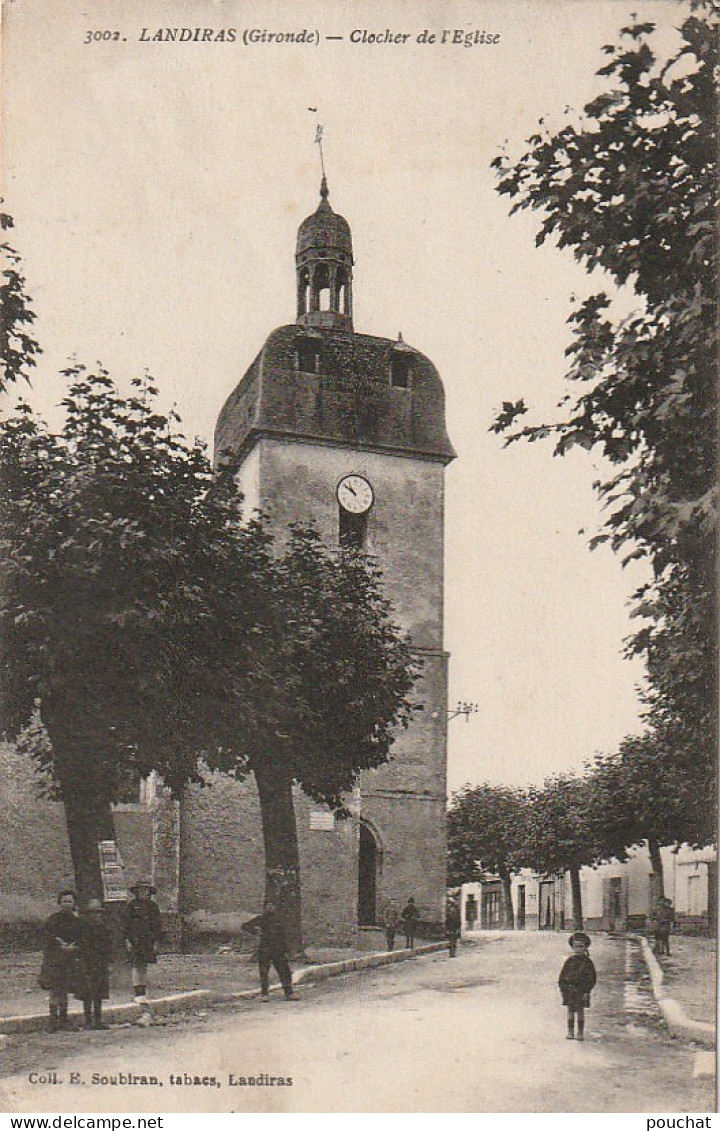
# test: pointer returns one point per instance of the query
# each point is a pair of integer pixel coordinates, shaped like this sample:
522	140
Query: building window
343	292
321	287
352	529
400	365
134	790
303	291
308	355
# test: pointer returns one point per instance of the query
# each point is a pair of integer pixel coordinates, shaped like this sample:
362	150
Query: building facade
615	897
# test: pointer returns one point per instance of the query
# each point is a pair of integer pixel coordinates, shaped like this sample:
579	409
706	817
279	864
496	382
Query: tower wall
404	801
297	482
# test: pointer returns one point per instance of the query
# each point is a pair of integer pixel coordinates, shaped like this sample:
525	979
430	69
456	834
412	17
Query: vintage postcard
435	279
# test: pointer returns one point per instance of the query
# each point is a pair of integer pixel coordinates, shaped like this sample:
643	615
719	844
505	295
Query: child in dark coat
452	928
664	922
577	979
59	971
272	949
409	917
143	931
95	955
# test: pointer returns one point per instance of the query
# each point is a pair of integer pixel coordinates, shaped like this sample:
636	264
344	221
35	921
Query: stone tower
347	431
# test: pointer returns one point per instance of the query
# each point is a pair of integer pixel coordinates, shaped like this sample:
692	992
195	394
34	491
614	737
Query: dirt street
481	1033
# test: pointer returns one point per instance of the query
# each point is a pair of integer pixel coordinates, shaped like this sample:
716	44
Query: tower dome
324	262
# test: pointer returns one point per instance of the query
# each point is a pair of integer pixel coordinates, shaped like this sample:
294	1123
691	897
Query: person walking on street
59	969
577	979
272	950
391	922
452	928
410	916
664	922
142	930
95	948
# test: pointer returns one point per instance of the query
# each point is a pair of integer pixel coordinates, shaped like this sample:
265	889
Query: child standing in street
452	927
664	922
409	917
95	948
273	950
577	979
59	970
391	922
143	931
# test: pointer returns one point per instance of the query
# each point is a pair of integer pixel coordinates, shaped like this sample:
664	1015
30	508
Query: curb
176	1003
365	962
676	1019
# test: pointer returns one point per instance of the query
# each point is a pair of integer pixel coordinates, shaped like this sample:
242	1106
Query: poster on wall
357	438
112	871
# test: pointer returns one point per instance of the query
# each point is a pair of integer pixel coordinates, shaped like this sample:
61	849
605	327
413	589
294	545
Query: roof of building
349	401
324	229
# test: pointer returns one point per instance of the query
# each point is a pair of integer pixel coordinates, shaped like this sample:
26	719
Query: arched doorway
368	869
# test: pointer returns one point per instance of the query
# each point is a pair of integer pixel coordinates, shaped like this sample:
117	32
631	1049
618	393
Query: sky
157	189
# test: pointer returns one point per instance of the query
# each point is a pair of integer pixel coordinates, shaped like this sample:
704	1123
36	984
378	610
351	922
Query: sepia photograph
358	532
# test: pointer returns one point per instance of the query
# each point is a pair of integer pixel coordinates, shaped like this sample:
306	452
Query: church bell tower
347	431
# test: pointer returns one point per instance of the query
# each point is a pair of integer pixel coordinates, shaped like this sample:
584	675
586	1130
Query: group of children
78	953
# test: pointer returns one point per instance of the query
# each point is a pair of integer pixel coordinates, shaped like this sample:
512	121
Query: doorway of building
615	904
471	912
547	905
491	907
520	918
367	877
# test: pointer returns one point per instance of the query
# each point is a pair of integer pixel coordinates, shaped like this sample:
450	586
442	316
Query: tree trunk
88	822
577	910
657	870
282	857
508	913
88	814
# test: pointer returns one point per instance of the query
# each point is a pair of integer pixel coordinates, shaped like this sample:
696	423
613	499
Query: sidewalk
690	973
177	981
20	993
684	985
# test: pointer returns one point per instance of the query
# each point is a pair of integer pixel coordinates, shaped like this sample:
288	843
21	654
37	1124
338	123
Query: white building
615	897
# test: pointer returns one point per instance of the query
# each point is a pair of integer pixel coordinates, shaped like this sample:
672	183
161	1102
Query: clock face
355	494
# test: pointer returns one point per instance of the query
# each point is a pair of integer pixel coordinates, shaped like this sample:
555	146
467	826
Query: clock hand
350	489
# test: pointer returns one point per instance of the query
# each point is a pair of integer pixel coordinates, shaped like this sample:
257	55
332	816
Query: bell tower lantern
324	263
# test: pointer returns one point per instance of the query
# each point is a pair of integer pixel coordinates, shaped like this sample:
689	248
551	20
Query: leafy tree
18	349
151	626
631	188
487	832
561	823
128	588
334	676
640	804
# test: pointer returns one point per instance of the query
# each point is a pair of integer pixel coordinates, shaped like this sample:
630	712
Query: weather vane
319	139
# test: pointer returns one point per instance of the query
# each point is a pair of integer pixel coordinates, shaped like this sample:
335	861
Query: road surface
484	1032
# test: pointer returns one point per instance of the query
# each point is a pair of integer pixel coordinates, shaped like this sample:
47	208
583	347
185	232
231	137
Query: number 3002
97	36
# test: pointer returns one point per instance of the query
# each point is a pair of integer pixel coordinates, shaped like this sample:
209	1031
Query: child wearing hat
95	948
142	931
577	979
